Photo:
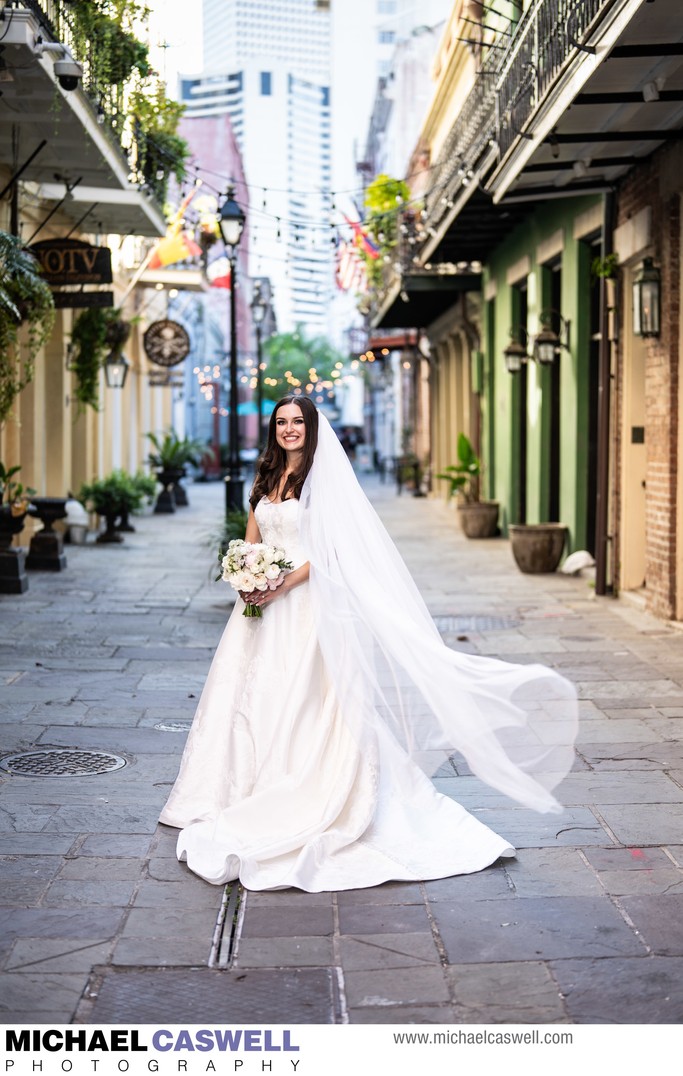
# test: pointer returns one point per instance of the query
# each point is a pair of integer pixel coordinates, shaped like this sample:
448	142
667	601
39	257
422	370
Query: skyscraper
267	64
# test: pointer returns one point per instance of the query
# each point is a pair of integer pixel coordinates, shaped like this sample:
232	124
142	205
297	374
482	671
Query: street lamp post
258	313
231	223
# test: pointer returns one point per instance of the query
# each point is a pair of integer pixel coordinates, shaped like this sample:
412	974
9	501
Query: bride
309	759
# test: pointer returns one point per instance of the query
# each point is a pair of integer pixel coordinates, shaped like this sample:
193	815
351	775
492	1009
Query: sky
178	24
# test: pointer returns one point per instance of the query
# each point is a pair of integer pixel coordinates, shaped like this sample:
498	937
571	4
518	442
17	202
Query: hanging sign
78	299
70	261
166	343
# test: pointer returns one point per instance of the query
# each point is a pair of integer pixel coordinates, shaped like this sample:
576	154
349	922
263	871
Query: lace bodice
278	524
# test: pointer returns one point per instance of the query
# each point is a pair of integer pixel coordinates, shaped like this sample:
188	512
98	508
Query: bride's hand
262	597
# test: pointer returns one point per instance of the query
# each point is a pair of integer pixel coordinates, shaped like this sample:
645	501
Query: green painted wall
501	420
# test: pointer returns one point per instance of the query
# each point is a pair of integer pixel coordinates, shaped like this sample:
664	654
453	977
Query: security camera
69	73
67	70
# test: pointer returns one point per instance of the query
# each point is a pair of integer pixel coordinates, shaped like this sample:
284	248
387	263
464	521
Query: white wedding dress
273	787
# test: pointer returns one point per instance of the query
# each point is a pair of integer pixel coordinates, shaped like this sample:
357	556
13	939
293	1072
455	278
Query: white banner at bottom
314	1050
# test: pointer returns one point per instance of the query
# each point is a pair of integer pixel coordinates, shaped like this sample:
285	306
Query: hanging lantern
116	370
647	286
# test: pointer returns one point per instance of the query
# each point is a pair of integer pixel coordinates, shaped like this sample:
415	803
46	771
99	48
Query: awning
418	299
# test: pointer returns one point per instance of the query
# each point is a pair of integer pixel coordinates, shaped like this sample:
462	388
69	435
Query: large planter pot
179	491
479	520
537	547
13	578
124	523
166	501
46	552
110	533
10	524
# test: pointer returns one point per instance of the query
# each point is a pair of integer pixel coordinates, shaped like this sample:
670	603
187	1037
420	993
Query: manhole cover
475	623
61	762
200	994
174	726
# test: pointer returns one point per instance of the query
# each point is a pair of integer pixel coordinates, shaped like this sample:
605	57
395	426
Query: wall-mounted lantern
548	341
516	352
647	289
545	345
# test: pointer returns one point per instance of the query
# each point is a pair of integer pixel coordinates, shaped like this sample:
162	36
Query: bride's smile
290	428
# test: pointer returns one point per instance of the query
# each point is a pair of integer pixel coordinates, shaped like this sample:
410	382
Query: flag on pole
177	245
218	273
351	274
174	247
362	239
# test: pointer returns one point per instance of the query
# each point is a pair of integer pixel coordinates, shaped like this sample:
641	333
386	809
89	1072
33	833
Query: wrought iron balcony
512	85
106	96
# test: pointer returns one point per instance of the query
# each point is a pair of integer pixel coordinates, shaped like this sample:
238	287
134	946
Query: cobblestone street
102	924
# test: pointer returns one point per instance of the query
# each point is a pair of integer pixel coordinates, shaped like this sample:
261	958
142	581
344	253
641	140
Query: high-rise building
267	64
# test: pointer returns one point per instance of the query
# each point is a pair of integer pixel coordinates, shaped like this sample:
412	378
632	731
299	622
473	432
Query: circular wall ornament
166	343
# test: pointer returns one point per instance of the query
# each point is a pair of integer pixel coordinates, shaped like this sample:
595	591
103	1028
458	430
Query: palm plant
24	298
464	476
172	453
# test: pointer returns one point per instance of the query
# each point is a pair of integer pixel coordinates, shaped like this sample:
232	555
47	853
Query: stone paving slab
576	826
403	1014
311	922
168	923
288	952
40	993
552	872
380	952
506	993
533	928
622	990
34	955
645	823
161	951
89	922
659	919
384	988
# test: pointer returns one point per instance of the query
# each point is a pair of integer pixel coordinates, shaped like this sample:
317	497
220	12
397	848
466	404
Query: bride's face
290	428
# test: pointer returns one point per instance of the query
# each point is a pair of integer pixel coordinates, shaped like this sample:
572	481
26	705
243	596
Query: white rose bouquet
249	566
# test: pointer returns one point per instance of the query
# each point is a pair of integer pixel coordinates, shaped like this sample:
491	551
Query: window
386	7
386	37
266	84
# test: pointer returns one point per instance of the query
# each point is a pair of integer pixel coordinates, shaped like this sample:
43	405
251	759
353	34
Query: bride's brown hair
273	463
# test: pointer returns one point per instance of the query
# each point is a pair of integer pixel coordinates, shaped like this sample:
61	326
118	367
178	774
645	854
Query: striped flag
362	239
218	273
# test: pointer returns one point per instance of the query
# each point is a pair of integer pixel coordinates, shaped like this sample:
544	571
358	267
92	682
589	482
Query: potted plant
146	487
111	497
15	502
25	298
14	507
478	519
169	459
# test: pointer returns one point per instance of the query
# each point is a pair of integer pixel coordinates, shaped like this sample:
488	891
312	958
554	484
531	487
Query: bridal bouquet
251	566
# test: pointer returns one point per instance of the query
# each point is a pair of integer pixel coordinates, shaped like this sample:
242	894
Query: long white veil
393	674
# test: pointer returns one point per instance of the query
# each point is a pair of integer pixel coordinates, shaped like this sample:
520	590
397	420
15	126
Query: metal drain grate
475	623
228	926
174	726
61	762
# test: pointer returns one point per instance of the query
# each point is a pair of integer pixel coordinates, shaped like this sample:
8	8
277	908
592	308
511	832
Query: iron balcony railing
508	90
57	20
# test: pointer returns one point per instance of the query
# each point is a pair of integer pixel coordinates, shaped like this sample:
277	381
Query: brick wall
658	183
